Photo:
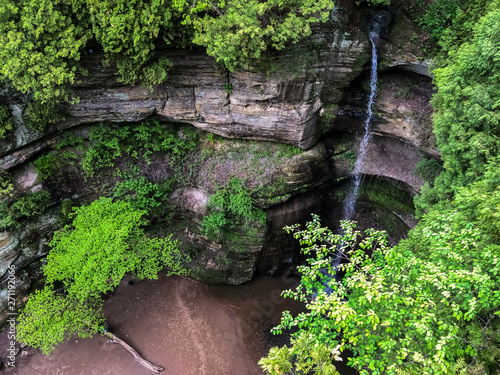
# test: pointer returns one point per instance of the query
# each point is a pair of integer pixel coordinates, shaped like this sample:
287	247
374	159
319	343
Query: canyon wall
312	96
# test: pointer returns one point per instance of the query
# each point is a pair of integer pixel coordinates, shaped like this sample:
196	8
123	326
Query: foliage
31	204
231	207
111	142
49	318
428	169
228	88
304	356
89	258
143	194
375	2
6	186
450	22
42	41
40	46
40	114
467	134
427	306
5	121
50	167
69	140
239	31
127	31
28	205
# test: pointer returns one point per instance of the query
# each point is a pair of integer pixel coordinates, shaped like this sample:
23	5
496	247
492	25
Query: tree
238	32
88	259
40	46
128	31
42	41
396	311
467	119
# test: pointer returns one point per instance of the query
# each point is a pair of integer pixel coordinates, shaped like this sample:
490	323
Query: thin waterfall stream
350	204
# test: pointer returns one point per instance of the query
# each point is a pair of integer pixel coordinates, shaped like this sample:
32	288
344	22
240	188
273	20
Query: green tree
42	41
128	31
427	306
467	119
40	46
236	32
89	258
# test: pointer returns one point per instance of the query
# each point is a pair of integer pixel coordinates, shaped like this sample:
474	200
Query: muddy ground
182	325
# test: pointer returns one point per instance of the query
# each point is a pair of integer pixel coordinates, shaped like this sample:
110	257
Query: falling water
350	203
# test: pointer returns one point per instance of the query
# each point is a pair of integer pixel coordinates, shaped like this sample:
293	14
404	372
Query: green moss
388	196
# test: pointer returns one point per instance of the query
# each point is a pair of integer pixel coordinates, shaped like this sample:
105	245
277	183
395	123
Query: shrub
229	208
89	258
111	142
51	166
5	121
428	169
143	194
6	186
40	114
28	205
31	204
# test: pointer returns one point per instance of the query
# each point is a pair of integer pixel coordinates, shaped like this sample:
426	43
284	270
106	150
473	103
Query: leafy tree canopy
397	310
42	41
89	258
467	117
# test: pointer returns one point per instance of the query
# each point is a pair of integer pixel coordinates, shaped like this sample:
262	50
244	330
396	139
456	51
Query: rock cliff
312	96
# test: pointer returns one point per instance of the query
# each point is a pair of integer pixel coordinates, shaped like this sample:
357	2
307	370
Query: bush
5	121
26	206
6	186
428	169
31	204
39	115
143	194
89	258
229	208
51	167
111	142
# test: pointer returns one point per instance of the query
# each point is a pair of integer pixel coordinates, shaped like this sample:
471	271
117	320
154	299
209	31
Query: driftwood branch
156	369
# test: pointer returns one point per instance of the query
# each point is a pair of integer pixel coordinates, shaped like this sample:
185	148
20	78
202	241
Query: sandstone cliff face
247	104
312	89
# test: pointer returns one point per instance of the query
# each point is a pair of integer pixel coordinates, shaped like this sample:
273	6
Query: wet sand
180	324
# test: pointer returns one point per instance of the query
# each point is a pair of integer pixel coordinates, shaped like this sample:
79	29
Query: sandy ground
182	325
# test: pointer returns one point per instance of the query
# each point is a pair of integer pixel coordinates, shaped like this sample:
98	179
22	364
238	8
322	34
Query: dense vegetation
43	42
230	208
89	258
429	305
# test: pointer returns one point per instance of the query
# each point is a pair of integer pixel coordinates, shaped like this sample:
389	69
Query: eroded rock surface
314	88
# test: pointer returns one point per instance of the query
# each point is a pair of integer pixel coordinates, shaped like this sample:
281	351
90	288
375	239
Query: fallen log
155	368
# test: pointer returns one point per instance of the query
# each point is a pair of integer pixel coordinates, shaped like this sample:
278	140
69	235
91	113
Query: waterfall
350	203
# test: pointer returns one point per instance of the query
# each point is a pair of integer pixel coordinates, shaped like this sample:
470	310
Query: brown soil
182	325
